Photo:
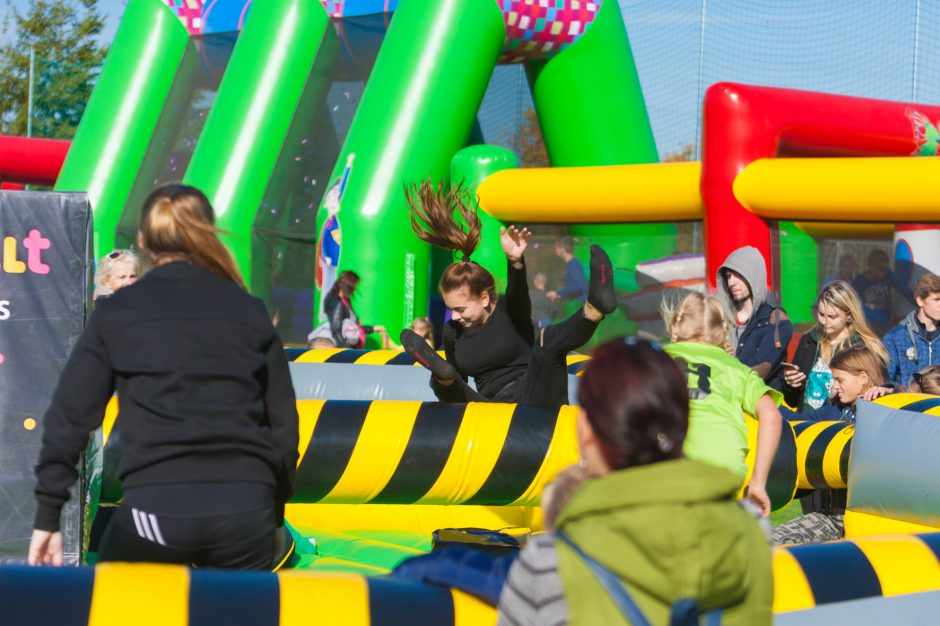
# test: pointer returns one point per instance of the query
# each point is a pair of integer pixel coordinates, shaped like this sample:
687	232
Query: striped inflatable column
172	595
392	452
822	454
431	453
809	576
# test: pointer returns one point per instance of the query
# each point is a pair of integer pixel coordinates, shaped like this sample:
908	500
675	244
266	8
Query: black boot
601	293
418	348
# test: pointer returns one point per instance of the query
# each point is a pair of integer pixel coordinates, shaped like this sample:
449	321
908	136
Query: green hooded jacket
669	531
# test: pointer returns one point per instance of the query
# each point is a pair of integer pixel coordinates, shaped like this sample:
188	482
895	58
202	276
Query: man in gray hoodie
760	329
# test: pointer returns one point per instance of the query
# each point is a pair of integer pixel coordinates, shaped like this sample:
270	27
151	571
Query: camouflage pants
810	528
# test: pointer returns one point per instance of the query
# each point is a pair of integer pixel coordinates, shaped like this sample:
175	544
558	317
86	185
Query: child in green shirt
721	391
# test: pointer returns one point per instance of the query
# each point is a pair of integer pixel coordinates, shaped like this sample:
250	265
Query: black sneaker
415	345
601	293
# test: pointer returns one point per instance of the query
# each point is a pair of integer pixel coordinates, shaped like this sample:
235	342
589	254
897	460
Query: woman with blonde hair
721	391
207	415
840	324
117	269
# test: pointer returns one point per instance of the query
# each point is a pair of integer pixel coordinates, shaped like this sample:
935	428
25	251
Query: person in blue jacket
575	284
912	344
761	330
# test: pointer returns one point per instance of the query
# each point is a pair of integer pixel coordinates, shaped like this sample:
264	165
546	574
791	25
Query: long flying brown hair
446	217
432	211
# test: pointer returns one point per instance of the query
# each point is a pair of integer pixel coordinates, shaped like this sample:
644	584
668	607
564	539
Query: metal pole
915	67
29	105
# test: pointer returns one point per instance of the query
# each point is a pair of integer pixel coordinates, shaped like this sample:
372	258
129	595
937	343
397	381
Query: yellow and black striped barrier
114	594
397	452
822	454
576	362
394	452
840	571
781	481
823	449
919	402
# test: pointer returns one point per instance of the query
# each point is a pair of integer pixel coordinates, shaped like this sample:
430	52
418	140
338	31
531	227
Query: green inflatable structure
245	104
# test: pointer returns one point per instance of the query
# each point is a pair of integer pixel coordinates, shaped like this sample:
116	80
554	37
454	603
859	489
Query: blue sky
857	47
111	9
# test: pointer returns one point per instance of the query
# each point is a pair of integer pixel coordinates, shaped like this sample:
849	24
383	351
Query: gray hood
749	263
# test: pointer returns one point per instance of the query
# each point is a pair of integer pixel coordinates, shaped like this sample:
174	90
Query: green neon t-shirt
721	391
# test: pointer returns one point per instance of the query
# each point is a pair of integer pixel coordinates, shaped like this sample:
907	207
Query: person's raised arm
77	408
518	305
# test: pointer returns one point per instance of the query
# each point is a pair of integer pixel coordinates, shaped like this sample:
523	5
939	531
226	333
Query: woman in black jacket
342	325
840	324
207	417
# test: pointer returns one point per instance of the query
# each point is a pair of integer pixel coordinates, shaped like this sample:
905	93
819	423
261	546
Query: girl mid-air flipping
491	337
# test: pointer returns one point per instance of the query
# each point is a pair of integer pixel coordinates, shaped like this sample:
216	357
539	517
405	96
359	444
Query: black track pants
224	525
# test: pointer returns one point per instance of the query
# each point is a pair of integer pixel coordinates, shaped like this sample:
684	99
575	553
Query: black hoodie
204	390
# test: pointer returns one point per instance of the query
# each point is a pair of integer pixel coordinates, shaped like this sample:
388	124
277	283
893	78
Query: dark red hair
637	402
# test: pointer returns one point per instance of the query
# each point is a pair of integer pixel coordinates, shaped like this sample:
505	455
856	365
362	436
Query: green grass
787	513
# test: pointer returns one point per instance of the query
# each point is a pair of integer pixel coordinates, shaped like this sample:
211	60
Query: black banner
45	265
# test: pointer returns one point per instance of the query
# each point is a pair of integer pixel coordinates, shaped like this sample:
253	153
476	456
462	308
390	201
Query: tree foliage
528	142
686	153
68	56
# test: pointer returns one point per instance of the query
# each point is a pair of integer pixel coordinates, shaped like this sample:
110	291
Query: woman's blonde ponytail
178	221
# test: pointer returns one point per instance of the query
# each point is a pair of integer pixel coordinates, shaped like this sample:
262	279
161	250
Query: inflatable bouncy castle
304	120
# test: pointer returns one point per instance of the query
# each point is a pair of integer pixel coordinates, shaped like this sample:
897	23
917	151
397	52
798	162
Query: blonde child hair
841	295
859	360
698	317
423	326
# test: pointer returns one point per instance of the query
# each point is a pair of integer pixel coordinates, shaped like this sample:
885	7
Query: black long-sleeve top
496	353
204	390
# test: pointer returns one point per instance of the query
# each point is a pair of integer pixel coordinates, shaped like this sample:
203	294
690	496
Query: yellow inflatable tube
841	189
652	192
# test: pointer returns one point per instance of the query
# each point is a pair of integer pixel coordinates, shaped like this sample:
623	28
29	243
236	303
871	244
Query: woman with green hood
650	534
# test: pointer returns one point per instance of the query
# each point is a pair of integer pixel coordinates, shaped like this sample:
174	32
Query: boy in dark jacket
762	330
